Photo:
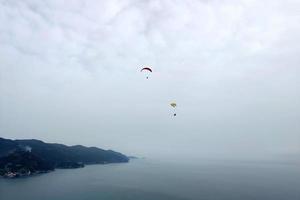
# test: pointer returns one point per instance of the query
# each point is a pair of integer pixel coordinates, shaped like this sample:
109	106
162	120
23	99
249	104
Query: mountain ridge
54	154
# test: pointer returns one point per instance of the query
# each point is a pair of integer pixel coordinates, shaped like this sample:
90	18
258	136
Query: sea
150	179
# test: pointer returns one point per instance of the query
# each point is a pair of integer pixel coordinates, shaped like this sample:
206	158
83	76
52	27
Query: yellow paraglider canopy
173	104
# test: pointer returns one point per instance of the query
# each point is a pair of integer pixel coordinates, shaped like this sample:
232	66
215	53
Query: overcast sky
69	73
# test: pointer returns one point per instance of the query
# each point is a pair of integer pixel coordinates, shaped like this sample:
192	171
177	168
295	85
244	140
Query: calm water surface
154	180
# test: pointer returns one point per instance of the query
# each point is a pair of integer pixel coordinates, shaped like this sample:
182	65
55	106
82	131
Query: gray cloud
70	73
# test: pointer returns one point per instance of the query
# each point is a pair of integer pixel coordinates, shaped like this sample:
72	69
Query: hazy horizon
70	73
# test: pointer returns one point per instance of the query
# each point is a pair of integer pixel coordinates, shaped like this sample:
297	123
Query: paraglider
146	70
174	105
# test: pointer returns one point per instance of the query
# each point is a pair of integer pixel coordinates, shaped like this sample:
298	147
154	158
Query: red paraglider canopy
146	68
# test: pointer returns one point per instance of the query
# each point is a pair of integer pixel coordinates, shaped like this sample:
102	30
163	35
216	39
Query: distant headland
19	158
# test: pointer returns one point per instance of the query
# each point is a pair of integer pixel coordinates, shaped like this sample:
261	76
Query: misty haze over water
161	180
